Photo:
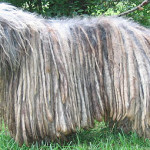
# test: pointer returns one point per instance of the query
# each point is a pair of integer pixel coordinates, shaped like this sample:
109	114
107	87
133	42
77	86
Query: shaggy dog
60	75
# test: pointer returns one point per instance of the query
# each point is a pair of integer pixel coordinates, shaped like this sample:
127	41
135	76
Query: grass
98	138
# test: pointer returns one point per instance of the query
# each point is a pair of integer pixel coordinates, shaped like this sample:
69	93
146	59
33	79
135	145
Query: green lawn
98	138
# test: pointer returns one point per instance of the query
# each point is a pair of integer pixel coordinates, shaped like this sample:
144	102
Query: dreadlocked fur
60	75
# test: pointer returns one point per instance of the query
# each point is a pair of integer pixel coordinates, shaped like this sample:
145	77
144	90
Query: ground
98	138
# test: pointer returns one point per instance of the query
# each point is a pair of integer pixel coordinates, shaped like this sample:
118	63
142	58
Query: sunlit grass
98	138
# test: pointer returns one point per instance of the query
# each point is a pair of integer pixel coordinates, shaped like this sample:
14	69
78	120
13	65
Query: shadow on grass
103	134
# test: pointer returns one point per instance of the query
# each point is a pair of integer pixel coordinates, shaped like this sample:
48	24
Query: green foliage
99	138
58	8
141	16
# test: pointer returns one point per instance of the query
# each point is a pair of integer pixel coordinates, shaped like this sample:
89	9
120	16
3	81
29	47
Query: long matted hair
58	75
